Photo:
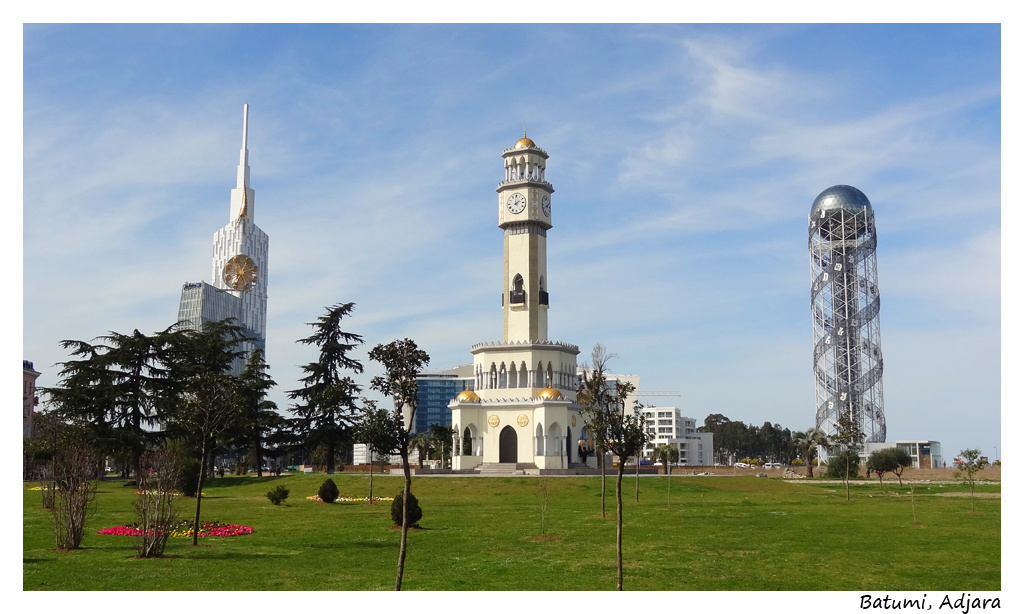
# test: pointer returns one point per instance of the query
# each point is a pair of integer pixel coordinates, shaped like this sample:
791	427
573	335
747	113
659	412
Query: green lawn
720	533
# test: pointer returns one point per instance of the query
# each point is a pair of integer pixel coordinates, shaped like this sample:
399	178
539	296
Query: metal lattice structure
844	310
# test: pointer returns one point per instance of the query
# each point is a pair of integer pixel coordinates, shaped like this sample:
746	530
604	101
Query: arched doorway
568	445
508	446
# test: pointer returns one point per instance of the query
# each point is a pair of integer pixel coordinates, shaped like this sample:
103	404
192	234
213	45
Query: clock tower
238	286
240	250
521	414
524	213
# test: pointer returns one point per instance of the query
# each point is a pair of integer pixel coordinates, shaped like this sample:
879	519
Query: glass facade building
435	391
201	302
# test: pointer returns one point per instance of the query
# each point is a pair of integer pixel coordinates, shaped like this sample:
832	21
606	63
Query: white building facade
668	426
238	286
523	406
924	453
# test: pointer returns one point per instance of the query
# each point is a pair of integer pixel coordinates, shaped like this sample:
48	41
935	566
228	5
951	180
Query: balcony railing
544	297
516	297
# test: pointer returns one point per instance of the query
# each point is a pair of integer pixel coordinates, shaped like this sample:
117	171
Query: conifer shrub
189	477
278	495
328	491
415	513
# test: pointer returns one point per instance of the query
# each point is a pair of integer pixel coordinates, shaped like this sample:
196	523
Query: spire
243	156
241	195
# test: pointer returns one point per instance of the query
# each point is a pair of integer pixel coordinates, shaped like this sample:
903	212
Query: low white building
925	454
668	425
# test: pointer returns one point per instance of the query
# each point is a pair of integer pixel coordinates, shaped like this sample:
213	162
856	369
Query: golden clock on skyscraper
240	272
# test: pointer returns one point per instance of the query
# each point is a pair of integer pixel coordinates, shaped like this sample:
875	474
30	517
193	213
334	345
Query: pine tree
326	404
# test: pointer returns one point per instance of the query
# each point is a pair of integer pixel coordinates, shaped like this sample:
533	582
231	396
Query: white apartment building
668	425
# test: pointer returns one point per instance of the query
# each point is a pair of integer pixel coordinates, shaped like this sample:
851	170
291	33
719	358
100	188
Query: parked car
744	465
773	465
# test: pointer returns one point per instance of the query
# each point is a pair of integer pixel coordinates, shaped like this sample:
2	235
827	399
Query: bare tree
622	432
156	506
593	397
74	469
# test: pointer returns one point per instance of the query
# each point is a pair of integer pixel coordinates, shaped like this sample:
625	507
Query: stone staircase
504	469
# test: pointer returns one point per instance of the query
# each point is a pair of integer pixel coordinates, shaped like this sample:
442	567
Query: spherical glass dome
840	197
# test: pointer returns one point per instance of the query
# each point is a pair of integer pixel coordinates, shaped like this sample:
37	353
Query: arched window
518	293
502	377
513	376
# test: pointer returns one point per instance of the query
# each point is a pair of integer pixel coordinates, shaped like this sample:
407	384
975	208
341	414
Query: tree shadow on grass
241	480
362	544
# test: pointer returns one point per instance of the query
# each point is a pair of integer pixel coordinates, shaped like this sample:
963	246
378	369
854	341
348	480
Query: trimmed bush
415	513
328	491
797	462
278	495
837	468
189	477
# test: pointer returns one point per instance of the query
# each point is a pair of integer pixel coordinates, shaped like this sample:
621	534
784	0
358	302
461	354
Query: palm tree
665	454
808	441
421	441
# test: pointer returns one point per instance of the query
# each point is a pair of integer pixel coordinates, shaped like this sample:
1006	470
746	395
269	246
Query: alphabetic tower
844	311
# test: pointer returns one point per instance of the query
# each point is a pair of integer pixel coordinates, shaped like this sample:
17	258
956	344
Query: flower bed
153	492
352	499
184	529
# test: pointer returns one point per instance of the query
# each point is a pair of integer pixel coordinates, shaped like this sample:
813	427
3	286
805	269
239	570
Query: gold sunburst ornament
240	272
493	420
522	419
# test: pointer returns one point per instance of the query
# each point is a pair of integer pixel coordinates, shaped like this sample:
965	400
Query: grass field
717	533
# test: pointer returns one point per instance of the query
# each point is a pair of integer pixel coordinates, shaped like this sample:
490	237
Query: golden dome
524	142
468	396
550	394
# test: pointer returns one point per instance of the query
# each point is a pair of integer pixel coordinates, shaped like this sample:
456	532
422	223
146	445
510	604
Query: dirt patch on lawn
980	495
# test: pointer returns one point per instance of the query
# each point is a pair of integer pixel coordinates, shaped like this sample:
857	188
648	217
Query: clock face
545	205
516	203
240	272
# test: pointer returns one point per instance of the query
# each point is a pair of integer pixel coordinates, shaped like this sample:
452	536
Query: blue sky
685	159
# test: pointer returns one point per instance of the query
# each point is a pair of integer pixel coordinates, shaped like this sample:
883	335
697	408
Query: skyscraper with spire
239	276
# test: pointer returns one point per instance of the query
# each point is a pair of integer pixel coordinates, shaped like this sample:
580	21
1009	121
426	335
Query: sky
684	157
